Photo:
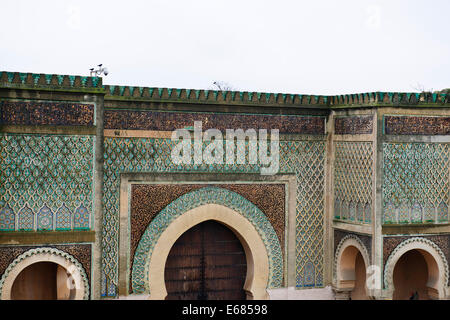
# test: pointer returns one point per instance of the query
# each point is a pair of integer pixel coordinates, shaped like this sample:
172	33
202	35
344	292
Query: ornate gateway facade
93	205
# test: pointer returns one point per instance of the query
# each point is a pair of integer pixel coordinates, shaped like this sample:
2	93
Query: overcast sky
309	47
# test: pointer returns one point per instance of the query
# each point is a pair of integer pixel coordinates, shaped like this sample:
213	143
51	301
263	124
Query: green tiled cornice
17	80
50	82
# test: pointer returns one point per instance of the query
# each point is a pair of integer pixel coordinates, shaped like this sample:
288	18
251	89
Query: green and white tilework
305	159
415	183
46	182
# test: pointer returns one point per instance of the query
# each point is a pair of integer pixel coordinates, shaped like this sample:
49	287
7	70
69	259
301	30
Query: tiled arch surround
144	196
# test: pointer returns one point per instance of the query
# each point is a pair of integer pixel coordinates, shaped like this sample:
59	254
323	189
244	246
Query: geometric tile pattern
26	219
124	155
195	199
7	219
45	175
81	218
63	218
45	218
415	183
306	159
353	173
309	276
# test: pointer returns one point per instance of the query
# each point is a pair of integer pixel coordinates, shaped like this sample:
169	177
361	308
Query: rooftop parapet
18	80
114	92
390	99
212	96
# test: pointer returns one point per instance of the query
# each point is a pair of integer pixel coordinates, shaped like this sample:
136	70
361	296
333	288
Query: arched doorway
59	272
351	263
151	259
207	262
411	276
416	264
359	290
353	273
43	281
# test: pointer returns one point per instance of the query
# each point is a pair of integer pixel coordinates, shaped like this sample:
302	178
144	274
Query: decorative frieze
416	125
353	125
170	121
46	113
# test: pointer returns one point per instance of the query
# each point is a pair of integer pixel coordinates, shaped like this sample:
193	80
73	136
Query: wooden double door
207	262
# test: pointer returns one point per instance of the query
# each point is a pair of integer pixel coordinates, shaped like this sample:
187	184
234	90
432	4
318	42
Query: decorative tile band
195	199
46	182
46	113
353	125
169	121
415	183
416	125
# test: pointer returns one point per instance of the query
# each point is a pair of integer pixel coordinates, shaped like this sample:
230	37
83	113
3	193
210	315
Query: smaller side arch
345	262
438	272
45	254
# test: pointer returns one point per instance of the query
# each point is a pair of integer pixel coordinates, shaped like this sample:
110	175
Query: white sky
309	47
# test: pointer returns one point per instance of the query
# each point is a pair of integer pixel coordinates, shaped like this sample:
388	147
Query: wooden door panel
206	262
187	274
226	272
187	261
